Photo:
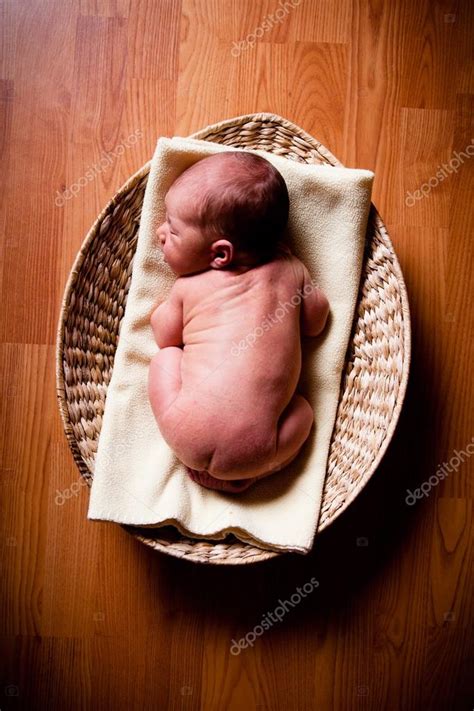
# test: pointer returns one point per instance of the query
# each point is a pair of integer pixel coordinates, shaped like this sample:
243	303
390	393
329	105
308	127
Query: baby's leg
164	380
235	486
294	426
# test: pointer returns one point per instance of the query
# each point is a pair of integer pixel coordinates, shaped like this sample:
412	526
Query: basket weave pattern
377	361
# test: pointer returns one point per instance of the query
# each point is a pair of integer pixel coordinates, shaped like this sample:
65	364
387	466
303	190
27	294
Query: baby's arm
314	307
167	319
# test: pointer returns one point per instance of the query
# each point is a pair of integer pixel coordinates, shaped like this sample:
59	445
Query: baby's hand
167	320
314	307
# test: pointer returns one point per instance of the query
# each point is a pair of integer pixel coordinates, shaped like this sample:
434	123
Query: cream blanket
137	478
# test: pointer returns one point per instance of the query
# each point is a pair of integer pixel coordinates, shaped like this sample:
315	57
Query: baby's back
242	353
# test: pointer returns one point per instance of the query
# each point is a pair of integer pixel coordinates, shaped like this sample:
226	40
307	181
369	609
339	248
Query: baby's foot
235	486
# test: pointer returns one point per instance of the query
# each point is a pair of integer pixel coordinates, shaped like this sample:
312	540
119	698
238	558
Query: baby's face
185	248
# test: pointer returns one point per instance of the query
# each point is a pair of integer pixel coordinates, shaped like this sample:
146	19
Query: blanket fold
137	479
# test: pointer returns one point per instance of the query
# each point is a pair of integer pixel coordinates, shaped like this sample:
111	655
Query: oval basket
374	378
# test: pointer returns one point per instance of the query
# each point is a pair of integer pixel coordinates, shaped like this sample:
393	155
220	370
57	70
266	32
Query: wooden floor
90	618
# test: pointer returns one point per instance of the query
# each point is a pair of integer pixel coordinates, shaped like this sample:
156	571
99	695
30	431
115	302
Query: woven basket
377	362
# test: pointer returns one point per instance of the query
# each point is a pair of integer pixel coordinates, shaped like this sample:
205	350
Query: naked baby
223	386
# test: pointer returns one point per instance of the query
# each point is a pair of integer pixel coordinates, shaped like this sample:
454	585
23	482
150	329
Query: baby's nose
160	233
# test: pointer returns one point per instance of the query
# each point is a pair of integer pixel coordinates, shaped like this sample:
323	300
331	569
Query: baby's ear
222	253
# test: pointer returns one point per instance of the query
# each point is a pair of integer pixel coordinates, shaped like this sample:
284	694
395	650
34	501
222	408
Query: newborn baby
222	386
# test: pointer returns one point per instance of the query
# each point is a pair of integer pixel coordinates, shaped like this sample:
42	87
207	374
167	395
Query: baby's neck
246	260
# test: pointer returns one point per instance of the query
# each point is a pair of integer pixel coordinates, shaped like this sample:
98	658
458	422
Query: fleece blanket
137	479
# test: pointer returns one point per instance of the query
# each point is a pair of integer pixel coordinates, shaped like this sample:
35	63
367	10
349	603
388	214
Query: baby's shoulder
194	288
290	264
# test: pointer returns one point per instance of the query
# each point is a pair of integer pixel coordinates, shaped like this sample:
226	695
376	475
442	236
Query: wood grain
90	618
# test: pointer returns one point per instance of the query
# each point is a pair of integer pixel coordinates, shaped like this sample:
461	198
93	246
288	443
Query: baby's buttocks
241	359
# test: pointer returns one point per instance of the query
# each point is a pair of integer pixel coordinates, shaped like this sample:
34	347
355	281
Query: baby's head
227	210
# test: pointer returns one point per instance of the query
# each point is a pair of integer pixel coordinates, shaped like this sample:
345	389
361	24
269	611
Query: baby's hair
250	204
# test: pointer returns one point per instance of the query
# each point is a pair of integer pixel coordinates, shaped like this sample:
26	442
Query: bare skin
222	387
